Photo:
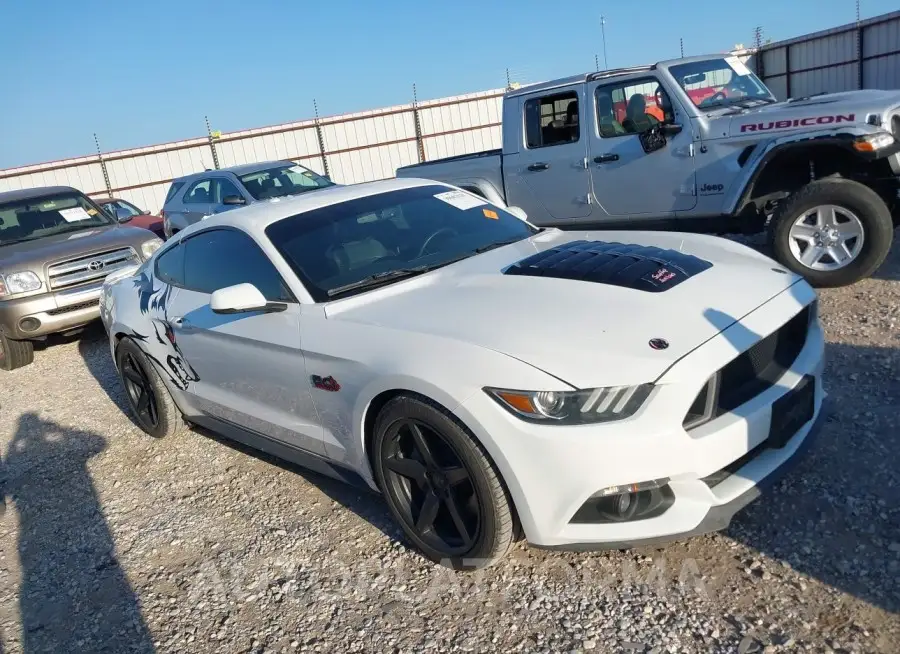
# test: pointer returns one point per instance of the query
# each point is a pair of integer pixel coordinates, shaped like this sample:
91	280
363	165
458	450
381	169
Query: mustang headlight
591	405
149	247
19	282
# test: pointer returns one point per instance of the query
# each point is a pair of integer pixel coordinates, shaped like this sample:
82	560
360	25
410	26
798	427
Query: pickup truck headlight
149	247
19	282
587	406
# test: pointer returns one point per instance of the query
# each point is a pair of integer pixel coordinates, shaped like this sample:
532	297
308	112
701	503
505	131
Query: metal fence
350	148
861	55
370	145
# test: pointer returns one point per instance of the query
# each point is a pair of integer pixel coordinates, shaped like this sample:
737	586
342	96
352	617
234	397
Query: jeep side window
552	120
631	108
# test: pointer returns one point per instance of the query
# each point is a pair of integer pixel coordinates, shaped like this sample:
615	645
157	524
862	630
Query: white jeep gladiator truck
700	144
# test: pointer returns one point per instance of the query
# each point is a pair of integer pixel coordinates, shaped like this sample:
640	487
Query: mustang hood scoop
638	267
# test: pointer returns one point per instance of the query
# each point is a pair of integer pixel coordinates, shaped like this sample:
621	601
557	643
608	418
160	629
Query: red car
139	217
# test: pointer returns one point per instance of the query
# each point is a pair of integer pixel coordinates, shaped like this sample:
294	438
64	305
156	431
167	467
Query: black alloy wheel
140	393
440	484
432	487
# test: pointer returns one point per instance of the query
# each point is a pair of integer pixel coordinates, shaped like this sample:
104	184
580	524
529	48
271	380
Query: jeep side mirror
670	129
653	139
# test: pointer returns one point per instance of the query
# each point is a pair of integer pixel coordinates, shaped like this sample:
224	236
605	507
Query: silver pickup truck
57	246
700	144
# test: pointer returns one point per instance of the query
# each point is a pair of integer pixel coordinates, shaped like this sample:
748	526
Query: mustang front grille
750	373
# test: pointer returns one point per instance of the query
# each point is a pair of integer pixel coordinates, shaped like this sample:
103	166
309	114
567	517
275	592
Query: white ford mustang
489	378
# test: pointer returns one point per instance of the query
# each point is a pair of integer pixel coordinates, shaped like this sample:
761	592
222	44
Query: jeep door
625	180
547	175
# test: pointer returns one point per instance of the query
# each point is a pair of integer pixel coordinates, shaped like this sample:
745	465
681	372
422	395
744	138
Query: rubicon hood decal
639	267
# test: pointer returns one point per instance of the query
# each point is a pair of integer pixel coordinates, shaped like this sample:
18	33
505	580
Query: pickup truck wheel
15	354
151	404
833	232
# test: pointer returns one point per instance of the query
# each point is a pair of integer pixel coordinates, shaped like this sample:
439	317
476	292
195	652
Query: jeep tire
15	354
856	206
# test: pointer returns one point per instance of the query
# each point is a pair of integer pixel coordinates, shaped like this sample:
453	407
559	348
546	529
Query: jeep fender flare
739	194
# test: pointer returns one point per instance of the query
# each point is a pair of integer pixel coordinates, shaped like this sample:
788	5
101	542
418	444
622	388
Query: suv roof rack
619	71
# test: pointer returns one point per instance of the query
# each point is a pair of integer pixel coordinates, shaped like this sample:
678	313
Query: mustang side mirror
241	298
653	139
233	199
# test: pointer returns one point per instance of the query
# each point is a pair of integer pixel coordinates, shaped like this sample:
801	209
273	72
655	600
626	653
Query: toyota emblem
659	343
96	265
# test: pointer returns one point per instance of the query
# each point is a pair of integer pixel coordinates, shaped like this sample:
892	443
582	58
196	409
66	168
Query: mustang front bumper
713	470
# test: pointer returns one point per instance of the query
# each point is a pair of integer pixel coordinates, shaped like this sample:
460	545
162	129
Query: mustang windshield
27	220
357	245
721	82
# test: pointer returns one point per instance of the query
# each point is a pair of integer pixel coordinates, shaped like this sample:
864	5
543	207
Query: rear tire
15	354
857	205
455	478
151	404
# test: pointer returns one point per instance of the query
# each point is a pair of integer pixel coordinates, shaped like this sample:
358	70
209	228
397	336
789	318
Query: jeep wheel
834	232
15	354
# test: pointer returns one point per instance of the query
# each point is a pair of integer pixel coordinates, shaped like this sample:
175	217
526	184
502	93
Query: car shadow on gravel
73	594
93	346
835	517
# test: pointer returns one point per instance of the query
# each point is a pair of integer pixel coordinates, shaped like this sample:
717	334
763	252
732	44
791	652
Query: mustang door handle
179	321
605	158
538	166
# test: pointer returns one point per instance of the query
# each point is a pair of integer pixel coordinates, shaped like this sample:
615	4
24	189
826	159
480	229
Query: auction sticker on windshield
737	65
74	214
460	199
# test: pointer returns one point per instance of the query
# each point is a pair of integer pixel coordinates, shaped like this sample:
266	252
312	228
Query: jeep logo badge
95	265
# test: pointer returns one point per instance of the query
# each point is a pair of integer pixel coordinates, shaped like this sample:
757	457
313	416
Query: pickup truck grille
90	268
751	372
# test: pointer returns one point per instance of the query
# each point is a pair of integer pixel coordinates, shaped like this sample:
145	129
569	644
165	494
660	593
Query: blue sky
139	73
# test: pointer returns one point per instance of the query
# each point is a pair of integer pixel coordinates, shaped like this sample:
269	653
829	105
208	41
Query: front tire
833	232
15	354
440	485
151	404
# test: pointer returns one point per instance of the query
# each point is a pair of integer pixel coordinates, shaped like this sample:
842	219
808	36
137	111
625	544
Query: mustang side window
552	120
219	258
170	266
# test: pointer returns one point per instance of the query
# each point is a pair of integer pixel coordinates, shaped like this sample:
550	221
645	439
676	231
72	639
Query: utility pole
603	35
681	43
596	63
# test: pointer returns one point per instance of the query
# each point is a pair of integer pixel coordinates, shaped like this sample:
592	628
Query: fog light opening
631	502
29	324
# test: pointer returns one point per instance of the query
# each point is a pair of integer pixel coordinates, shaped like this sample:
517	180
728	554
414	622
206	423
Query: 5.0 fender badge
659	343
328	383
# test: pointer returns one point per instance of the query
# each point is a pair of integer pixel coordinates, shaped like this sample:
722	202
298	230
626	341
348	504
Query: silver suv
194	197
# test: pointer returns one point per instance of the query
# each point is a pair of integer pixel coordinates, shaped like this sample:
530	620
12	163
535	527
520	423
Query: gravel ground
114	542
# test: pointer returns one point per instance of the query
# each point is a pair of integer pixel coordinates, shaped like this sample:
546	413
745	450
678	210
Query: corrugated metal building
864	55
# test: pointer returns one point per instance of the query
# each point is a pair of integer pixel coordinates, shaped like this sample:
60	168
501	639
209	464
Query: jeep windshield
280	181
722	82
34	218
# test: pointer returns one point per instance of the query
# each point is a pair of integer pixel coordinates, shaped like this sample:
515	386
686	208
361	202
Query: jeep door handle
535	167
606	158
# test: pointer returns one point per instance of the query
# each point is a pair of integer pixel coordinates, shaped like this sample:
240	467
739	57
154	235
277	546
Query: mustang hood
582	306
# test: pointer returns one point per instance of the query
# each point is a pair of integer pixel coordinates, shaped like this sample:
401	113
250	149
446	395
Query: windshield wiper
17	240
498	244
378	279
